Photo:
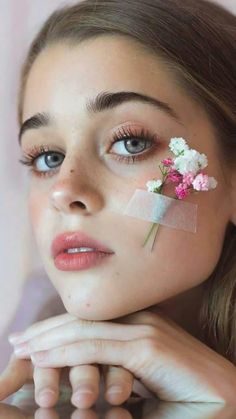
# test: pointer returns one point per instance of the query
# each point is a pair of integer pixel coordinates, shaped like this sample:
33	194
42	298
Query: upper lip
76	239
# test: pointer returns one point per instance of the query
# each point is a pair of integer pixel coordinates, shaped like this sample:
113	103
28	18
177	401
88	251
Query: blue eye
50	159
44	156
130	146
134	143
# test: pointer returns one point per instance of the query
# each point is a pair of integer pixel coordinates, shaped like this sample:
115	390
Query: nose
76	195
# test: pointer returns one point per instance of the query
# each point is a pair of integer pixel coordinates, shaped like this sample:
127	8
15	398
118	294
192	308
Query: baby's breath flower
190	161
174	176
202	160
182	191
168	161
212	183
178	145
188	178
185	170
204	182
153	185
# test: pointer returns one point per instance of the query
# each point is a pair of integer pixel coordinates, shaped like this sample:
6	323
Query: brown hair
197	41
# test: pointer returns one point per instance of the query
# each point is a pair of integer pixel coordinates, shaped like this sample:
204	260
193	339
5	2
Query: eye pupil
52	158
135	145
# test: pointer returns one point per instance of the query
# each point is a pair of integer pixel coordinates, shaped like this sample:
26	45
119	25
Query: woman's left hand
168	361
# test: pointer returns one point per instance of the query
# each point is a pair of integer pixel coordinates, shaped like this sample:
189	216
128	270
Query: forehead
62	76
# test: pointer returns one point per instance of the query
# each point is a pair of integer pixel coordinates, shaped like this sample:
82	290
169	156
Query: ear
233	197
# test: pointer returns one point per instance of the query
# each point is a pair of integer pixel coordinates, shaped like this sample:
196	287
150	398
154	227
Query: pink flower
188	178
201	182
182	191
168	161
174	176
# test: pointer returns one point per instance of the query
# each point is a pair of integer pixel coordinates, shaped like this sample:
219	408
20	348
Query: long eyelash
30	157
37	151
124	133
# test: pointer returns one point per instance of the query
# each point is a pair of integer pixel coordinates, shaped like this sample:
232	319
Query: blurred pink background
22	271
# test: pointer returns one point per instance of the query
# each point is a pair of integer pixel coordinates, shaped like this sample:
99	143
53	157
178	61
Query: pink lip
77	239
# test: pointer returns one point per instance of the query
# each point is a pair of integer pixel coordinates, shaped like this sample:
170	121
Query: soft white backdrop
19	21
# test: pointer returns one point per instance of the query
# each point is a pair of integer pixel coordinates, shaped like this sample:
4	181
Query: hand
171	363
49	378
20	372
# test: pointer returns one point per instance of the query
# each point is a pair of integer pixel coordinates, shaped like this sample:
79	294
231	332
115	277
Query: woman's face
91	172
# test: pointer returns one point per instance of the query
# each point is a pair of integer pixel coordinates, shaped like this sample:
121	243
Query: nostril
79	204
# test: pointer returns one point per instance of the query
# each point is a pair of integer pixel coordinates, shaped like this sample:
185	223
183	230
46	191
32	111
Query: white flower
188	162
202	160
212	183
203	182
153	185
178	145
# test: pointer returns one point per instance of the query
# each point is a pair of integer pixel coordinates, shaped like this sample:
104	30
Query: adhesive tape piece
161	209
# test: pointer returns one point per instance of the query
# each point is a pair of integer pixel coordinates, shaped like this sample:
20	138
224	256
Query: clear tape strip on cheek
162	209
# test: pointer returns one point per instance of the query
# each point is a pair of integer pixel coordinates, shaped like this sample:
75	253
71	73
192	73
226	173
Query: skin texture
60	82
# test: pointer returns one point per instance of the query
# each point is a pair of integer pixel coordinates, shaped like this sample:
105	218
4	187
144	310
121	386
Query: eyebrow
103	101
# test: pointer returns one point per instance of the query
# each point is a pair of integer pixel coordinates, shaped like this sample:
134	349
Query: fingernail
82	391
45	396
115	389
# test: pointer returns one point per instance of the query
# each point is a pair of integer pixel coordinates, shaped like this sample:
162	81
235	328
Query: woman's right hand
47	382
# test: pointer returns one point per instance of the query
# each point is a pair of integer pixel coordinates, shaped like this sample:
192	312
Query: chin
94	312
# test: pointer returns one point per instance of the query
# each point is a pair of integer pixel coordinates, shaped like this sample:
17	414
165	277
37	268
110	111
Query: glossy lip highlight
76	239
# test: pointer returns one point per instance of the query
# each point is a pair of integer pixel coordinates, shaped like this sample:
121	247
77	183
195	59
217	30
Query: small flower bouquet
185	170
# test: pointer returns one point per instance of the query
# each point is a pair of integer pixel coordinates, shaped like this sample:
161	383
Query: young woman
104	89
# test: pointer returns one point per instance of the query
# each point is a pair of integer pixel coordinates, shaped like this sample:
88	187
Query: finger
87	352
40	327
46	381
16	374
80	330
118	384
85	384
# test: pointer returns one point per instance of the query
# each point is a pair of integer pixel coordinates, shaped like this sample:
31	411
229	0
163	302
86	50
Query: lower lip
79	261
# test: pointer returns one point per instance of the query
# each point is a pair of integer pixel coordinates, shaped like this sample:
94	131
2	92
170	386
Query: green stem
155	237
149	234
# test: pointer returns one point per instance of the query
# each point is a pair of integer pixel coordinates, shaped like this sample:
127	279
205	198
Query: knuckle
97	346
150	347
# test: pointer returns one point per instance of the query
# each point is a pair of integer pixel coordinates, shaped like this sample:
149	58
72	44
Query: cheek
36	205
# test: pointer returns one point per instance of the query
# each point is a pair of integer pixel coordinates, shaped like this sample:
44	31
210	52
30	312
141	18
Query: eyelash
124	134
